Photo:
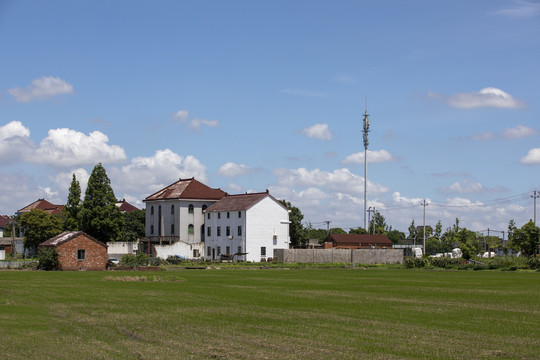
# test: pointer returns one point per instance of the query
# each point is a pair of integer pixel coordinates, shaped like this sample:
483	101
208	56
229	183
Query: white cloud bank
532	157
470	187
519	132
487	97
42	88
376	156
318	131
521	9
231	169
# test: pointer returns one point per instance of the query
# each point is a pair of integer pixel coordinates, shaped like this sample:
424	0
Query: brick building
78	251
357	241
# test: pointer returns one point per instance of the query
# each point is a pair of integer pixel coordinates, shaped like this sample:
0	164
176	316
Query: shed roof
67	236
187	189
359	239
124	206
4	220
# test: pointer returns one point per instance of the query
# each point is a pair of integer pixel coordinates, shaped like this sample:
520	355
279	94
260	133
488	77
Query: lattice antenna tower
366	144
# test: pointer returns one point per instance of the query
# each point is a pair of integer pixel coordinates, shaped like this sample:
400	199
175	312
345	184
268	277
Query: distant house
78	251
5	220
175	214
357	241
125	207
42	204
248	225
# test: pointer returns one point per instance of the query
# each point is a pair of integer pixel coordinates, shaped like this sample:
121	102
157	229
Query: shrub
445	262
534	263
135	260
48	258
415	263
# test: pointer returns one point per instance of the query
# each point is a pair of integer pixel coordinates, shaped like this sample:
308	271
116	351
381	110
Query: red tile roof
4	220
359	239
66	236
187	189
124	206
239	202
42	204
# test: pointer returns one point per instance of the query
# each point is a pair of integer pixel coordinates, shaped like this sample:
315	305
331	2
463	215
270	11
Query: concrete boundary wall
355	256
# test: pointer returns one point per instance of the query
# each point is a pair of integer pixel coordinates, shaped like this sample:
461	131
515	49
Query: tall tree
412	230
100	216
297	232
134	223
395	235
438	230
72	210
358	230
39	226
511	228
526	239
377	225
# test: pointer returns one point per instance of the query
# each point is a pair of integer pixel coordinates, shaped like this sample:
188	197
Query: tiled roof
239	202
4	220
187	189
42	204
124	206
66	236
360	239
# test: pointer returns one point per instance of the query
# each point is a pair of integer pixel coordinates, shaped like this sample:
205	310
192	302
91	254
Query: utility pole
366	144
369	217
424	246
327	227
535	196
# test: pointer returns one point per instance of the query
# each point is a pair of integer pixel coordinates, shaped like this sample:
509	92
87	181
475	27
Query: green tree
296	228
48	258
377	224
337	230
319	234
358	230
511	228
39	226
134	224
412	230
395	235
72	209
526	239
438	230
100	216
433	246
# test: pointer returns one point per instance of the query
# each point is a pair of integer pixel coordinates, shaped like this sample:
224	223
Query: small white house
246	226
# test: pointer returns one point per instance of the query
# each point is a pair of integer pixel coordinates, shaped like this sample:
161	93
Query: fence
355	256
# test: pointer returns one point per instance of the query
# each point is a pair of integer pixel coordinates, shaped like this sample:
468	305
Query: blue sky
255	95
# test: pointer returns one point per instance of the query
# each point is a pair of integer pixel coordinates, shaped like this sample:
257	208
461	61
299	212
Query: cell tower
366	144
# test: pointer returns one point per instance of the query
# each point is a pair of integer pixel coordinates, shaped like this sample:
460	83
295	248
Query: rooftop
187	189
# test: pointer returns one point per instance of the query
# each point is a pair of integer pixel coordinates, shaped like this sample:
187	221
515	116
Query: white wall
121	248
179	248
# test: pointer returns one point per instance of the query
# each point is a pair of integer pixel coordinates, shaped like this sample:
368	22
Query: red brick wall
95	257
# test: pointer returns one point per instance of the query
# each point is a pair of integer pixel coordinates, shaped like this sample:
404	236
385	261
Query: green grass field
270	314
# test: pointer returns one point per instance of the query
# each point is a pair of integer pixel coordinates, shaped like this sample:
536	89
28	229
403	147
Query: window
239	230
219	231
159	220
228	250
219	215
196	253
81	254
219	250
209	231
263	250
204	207
228	214
172	229
208	216
239	214
228	231
190	209
172	209
152	210
208	251
275	239
190	229
239	249
151	229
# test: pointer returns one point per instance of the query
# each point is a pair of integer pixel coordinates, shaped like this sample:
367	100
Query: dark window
239	230
239	214
219	250
219	231
196	253
152	210
209	231
208	215
228	231
190	208
81	254
208	251
151	229
228	214
239	249
172	229
228	250
263	250
204	207
190	229
219	215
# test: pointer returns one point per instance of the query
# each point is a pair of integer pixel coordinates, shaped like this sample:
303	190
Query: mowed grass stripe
272	313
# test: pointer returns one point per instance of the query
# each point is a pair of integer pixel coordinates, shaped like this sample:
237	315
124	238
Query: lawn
270	314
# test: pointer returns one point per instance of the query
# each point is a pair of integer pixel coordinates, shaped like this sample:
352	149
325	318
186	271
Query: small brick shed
78	251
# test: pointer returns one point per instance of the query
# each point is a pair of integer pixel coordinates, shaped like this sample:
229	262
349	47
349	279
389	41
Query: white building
248	226
174	215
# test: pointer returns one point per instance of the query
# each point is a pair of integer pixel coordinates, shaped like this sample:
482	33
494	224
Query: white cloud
183	115
470	187
318	131
483	136
520	9
195	123
63	180
532	157
376	156
65	147
145	175
42	88
519	132
487	97
231	169
15	143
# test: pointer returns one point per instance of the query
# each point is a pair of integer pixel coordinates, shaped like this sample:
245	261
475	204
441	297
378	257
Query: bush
445	262
534	263
135	260
48	258
415	263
